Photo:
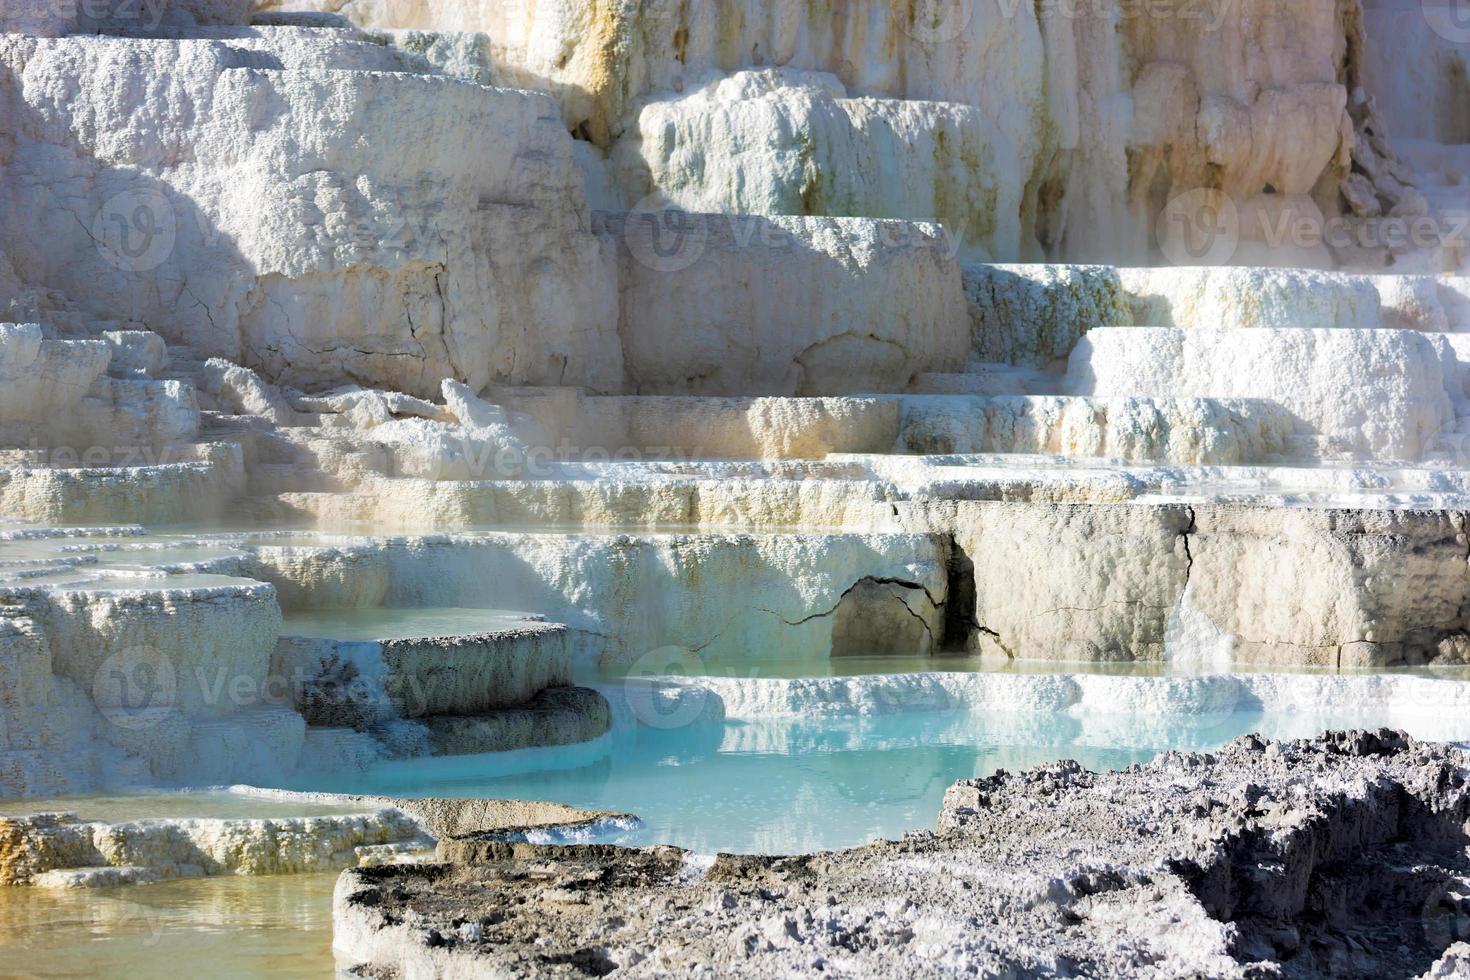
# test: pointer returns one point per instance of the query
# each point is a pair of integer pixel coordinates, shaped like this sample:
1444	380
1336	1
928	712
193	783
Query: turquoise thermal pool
787	784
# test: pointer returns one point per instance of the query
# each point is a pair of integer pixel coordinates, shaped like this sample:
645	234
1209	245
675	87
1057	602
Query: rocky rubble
1343	855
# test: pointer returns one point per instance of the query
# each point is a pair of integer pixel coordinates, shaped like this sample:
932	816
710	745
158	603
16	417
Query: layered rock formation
1052	131
58	850
1340	856
383	380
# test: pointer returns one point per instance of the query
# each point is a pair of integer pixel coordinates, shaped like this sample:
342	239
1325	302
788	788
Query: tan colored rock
884	619
555	716
1067	582
56	850
1331	588
1191	431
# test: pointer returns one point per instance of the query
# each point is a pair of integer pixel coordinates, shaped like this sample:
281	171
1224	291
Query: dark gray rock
1338	856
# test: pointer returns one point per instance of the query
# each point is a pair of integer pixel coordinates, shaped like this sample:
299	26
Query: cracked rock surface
1343	855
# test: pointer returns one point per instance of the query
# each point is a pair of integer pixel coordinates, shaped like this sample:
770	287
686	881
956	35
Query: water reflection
216	927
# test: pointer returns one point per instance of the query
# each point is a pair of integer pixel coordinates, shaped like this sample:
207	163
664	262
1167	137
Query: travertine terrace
390	381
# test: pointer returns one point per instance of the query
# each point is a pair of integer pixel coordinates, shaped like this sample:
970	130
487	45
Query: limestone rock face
719	332
51	741
1250	297
1308	586
199	641
788	142
1423	95
57	850
555	716
728	599
1254	96
600	57
726	305
880	619
1041	593
1182	431
359	684
199	487
1034	314
43	378
738	428
1052	132
59	398
458	247
1398	407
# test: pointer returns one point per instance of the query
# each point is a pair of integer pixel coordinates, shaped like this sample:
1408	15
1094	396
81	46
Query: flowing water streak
1193	644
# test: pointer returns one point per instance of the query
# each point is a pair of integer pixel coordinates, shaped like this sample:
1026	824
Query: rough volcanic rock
1342	855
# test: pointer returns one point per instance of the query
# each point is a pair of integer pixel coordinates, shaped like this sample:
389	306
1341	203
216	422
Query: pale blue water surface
787	785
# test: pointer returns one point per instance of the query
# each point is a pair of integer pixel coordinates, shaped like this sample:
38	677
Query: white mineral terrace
720	424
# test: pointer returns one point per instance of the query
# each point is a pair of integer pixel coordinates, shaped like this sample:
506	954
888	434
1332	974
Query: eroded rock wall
1054	131
1331	587
656	599
263	198
729	305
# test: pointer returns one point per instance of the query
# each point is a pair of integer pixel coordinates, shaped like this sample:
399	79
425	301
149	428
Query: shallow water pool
782	785
365	625
225	928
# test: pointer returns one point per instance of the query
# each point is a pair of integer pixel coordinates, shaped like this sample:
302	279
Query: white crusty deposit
749	305
787	142
711	338
1399	404
1064	133
281	239
1189	431
723	597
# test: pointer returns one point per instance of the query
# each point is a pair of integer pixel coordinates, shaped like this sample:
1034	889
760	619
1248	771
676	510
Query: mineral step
158	849
346	681
555	716
577	578
170	493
